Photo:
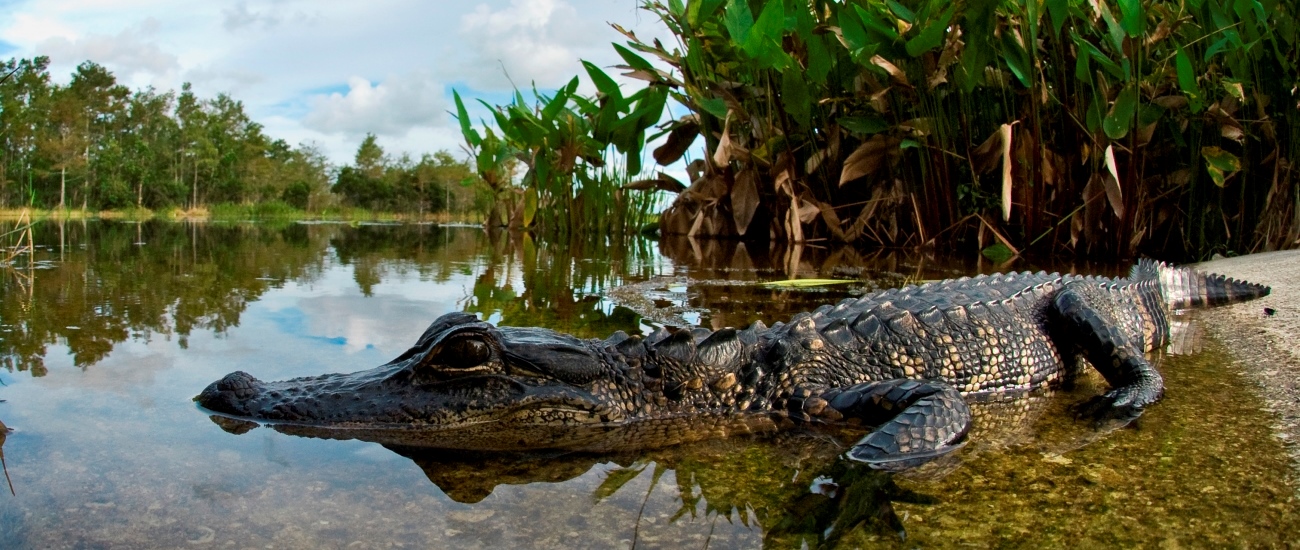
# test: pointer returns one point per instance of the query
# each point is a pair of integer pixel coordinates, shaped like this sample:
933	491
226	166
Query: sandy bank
1264	335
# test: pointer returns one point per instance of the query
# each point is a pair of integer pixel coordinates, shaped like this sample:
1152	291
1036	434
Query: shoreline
1263	336
229	212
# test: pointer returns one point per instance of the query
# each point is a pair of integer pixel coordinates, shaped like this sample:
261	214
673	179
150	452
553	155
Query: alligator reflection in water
790	487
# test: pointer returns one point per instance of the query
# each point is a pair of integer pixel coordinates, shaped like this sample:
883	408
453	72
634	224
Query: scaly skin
901	360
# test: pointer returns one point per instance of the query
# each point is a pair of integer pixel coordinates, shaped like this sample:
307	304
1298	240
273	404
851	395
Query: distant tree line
95	144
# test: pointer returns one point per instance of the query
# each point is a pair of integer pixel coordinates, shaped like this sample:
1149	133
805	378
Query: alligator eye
463	353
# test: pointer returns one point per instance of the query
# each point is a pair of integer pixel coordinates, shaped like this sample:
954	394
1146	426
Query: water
109	333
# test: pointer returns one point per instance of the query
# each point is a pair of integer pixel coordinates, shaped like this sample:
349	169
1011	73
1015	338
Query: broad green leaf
1187	79
863	125
1133	17
853	31
1220	164
700	10
633	60
1092	119
556	104
819	59
998	253
1017	59
1116	31
715	106
931	36
603	82
1059	11
1120	118
764	40
471	135
979	52
1220	45
870	21
1082	69
909	144
676	7
1110	66
901	11
739	20
795	97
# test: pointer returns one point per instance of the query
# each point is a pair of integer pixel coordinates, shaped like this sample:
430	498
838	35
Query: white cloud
126	54
392	107
531	41
270	54
240	16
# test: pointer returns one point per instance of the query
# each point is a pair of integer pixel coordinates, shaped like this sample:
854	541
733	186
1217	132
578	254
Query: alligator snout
231	394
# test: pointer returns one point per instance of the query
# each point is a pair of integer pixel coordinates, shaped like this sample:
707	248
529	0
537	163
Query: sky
328	72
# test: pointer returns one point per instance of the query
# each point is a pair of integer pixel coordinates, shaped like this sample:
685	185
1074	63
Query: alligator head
465	384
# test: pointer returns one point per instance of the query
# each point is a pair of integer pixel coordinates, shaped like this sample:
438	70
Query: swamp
111	328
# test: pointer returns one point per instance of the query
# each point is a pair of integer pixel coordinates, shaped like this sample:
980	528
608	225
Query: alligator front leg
916	419
1090	330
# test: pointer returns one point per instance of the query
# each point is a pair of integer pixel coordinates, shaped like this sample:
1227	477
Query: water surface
112	328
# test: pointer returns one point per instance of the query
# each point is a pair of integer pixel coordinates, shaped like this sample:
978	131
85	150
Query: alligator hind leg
916	420
1095	333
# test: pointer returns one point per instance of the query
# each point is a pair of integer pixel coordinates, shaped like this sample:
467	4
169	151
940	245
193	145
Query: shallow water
109	333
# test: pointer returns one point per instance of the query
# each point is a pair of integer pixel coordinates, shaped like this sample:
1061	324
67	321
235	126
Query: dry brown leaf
952	48
1144	134
697	225
895	73
782	183
808	209
833	222
679	140
709	188
1112	183
744	199
1231	132
793	228
879	101
722	155
640	74
1052	165
985	157
1163	30
1005	130
696	168
867	158
664	182
1171	102
815	161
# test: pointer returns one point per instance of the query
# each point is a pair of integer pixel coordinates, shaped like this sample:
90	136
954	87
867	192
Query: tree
23	108
64	138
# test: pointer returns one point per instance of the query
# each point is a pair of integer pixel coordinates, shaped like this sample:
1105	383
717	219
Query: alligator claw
1114	408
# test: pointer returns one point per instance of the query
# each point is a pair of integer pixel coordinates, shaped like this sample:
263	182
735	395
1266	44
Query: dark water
114	327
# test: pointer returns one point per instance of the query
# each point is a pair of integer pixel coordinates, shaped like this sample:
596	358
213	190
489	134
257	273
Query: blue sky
328	72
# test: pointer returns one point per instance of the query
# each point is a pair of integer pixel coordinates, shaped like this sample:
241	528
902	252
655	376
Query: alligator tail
1184	287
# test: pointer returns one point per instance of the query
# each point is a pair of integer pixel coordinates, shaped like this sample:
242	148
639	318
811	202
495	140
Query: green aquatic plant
1105	127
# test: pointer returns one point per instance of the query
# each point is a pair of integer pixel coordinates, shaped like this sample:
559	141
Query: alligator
900	363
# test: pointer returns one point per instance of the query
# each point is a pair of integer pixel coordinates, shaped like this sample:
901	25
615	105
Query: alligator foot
1115	408
1093	332
917	421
